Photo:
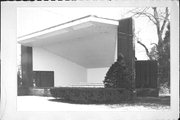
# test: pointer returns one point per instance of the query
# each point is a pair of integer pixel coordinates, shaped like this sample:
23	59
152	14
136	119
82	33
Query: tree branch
150	16
165	20
147	51
155	44
159	33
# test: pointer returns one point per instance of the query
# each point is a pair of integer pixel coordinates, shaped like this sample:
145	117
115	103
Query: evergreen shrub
118	75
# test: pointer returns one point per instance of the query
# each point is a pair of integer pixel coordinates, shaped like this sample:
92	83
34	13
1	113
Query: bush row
147	92
95	95
23	91
39	92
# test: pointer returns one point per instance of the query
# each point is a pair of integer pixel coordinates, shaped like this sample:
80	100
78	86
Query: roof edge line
64	24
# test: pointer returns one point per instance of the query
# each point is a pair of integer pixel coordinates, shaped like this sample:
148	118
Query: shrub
118	75
91	95
164	88
19	79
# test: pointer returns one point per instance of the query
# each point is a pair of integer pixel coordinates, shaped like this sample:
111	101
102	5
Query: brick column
126	44
26	63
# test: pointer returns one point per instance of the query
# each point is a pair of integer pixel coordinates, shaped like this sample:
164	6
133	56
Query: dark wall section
26	62
146	74
43	78
126	44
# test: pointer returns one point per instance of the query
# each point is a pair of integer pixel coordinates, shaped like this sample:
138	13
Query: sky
32	19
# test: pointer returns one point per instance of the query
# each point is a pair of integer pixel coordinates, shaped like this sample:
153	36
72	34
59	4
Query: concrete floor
37	103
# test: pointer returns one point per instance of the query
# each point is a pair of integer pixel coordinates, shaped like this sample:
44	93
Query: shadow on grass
84	102
144	101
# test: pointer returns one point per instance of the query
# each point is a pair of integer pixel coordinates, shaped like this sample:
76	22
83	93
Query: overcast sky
33	19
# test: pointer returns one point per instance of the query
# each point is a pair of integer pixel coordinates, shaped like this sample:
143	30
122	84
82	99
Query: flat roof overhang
89	41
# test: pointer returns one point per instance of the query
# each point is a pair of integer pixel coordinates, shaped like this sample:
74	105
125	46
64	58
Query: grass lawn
37	103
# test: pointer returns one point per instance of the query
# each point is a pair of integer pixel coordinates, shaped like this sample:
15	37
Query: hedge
40	92
26	91
22	91
147	92
95	95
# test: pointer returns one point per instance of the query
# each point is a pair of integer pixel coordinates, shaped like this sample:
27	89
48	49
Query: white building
78	52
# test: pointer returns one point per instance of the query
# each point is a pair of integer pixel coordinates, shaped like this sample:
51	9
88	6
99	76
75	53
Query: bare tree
159	17
160	51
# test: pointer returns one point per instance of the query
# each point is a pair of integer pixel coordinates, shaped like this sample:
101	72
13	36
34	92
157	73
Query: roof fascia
69	24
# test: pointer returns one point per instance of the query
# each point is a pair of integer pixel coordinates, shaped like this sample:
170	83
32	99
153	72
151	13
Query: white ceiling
89	44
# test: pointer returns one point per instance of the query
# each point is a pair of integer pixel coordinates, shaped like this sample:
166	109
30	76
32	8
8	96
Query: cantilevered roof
88	41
